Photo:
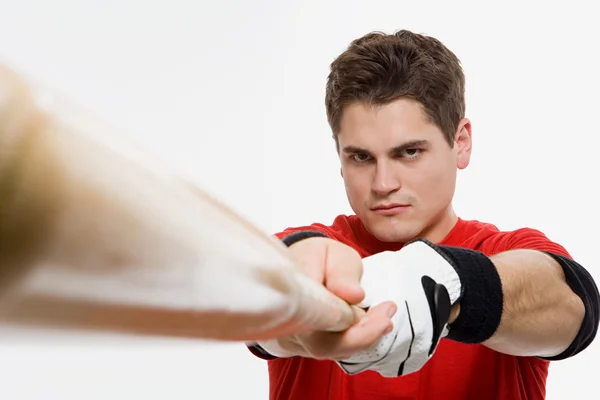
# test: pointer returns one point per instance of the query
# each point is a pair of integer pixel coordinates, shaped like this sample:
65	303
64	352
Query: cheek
357	188
435	182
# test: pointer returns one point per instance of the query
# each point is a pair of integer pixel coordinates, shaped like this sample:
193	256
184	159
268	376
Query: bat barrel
95	237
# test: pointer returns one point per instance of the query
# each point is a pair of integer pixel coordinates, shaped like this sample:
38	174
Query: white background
231	94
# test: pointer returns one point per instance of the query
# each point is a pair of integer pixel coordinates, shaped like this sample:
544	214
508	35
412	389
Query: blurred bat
96	237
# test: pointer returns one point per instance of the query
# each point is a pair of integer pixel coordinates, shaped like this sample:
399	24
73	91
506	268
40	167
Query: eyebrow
398	149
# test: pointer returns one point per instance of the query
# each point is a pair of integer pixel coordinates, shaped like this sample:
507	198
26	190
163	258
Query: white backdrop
231	94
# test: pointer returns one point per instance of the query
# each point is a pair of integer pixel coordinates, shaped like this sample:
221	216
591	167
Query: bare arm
542	315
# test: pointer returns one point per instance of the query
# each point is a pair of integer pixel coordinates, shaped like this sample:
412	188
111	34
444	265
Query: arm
525	301
538	300
542	315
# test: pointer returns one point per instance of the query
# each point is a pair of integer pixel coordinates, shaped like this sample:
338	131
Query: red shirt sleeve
524	238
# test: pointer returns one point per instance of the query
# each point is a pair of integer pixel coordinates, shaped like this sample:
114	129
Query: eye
411	153
360	157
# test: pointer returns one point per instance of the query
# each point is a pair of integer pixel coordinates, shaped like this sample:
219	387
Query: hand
425	285
339	268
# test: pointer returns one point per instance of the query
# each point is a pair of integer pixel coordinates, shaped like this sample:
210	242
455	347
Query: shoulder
489	239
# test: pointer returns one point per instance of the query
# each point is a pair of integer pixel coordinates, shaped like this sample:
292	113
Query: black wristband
301	235
481	301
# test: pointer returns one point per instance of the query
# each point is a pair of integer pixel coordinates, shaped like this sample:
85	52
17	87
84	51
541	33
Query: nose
385	180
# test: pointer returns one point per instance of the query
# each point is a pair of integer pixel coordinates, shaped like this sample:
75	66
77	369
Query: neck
441	226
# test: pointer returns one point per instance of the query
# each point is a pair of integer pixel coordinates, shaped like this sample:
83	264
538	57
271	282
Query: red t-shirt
456	371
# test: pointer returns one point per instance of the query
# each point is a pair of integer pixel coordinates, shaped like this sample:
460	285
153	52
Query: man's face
399	171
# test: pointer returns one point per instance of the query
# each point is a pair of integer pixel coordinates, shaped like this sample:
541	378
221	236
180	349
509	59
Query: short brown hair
379	68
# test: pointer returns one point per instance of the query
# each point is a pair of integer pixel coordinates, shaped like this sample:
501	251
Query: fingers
365	333
343	271
334	264
339	268
309	254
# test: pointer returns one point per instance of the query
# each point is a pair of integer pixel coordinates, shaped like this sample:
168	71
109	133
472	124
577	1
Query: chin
392	230
393	237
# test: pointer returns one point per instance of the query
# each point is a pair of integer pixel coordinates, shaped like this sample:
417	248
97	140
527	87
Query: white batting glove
424	285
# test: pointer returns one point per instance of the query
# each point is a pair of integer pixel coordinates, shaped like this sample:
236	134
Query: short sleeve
525	238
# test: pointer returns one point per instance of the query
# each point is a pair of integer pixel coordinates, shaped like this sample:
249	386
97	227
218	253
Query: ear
463	143
341	172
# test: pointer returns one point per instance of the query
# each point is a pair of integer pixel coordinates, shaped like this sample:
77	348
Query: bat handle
314	307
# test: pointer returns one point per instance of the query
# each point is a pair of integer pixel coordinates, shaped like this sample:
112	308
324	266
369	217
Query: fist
339	268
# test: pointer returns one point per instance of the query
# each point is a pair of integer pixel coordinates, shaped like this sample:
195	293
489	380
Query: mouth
390	209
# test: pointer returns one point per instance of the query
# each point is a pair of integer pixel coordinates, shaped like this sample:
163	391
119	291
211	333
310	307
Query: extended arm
542	315
524	302
520	302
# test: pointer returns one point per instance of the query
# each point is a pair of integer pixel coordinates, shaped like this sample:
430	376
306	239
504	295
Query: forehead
378	128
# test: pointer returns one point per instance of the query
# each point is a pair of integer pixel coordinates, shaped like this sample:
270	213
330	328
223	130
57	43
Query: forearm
523	302
541	314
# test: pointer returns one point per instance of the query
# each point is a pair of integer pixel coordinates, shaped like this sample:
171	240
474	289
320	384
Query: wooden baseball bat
96	237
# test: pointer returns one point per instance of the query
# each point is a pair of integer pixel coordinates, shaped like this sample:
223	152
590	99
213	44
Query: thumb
343	272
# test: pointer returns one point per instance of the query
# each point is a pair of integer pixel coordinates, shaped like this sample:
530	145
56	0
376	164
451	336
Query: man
446	308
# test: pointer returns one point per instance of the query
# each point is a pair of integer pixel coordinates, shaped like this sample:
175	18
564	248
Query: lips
390	209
